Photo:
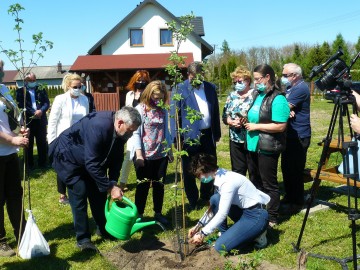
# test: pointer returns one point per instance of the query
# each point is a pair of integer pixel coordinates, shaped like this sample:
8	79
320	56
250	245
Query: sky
74	26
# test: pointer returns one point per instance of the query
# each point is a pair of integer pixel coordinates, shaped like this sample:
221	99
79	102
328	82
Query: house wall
151	20
49	82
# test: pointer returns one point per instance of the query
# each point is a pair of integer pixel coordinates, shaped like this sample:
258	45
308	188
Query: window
136	37
166	37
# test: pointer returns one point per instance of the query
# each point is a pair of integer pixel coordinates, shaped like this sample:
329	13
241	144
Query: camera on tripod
336	76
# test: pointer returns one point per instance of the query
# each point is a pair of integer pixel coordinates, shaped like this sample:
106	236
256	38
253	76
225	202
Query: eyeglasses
76	87
287	75
258	79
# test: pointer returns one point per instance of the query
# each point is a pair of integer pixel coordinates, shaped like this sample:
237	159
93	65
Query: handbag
33	243
13	113
350	153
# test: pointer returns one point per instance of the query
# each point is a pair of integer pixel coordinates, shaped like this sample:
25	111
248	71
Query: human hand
139	162
250	126
20	141
197	239
116	193
355	123
193	231
292	114
38	113
25	132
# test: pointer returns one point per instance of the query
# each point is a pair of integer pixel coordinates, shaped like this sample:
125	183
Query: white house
140	41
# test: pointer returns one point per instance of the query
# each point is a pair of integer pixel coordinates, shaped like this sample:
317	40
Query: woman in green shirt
265	138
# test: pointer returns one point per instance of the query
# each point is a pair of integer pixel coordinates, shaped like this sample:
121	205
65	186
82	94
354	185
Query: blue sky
76	25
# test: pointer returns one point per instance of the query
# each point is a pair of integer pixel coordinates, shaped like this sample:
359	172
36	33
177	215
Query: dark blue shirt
299	96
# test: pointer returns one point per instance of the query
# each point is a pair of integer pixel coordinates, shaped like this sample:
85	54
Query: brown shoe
6	250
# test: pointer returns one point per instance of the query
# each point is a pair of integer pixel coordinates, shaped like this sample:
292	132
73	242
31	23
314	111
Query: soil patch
151	253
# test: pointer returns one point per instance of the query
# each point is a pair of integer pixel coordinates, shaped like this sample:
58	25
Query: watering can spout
140	225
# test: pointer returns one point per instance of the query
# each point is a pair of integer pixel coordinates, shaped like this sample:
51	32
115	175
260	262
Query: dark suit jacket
189	100
41	99
88	147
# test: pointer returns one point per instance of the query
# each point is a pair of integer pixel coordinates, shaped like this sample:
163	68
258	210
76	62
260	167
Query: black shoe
87	246
160	218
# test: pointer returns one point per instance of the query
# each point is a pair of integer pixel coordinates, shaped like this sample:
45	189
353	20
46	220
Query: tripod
341	109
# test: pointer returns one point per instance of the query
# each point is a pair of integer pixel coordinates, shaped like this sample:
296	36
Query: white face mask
75	92
240	87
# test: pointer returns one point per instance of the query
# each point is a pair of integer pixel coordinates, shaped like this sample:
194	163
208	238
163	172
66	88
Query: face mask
206	180
1	75
261	87
83	88
285	81
126	136
75	92
140	86
31	84
239	87
155	102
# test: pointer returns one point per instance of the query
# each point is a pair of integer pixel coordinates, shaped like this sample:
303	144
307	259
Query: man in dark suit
201	96
36	103
87	157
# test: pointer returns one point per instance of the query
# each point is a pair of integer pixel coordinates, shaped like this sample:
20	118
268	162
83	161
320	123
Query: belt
257	206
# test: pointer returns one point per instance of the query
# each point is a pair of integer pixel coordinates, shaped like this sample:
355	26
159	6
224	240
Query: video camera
337	75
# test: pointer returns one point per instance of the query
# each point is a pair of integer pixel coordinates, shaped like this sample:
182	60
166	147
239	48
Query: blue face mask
261	87
285	81
239	87
31	84
206	180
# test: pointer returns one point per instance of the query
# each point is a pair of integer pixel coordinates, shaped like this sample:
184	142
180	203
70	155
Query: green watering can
122	219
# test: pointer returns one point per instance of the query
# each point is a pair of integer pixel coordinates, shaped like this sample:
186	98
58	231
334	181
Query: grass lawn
327	232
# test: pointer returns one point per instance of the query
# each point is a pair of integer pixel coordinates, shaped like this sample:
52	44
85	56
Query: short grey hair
129	115
293	68
196	67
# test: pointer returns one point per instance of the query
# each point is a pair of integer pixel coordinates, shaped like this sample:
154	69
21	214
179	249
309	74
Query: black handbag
13	114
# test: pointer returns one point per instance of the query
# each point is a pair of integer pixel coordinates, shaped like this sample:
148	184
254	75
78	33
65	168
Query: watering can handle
124	199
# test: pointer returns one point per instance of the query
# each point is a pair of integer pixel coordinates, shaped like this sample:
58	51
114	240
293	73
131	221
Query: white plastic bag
33	243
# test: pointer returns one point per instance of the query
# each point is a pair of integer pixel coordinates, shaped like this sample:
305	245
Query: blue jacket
41	99
89	146
189	100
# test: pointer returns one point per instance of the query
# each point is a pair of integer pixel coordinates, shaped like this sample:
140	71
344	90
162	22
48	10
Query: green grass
326	232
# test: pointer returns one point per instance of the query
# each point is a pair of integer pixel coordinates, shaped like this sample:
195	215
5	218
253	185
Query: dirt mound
150	253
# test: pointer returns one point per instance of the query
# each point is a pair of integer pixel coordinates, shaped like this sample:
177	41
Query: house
140	41
49	75
9	78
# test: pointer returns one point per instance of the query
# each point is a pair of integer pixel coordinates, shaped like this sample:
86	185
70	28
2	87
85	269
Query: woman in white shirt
66	110
236	197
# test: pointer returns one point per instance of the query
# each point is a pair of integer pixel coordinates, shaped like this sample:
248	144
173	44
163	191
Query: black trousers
37	131
263	174
61	187
293	161
207	146
153	175
239	157
11	194
79	194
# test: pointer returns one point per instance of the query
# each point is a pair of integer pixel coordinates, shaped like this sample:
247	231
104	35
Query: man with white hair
293	159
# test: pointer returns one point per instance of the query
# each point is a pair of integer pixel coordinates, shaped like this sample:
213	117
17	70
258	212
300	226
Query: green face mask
206	180
261	87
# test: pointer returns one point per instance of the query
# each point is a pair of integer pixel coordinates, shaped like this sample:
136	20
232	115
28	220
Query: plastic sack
33	243
351	161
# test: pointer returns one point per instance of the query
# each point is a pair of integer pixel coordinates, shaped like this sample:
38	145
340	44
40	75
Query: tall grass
327	232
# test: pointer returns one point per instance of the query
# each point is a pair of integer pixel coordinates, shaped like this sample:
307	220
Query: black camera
337	75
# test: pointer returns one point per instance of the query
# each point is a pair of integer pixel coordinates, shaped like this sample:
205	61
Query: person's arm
357	98
13	139
268	128
55	115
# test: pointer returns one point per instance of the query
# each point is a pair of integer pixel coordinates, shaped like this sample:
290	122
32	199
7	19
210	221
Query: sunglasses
76	87
237	82
287	75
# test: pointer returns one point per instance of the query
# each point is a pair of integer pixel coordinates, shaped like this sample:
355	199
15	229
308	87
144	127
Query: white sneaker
261	240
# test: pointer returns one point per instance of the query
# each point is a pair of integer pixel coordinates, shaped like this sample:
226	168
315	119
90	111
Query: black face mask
140	86
125	136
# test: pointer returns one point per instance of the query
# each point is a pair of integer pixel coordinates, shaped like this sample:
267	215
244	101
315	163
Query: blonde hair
68	78
151	88
241	72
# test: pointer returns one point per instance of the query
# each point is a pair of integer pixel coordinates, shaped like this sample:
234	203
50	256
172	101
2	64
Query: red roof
9	76
125	61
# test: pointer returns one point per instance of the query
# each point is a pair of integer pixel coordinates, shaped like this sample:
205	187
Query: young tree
340	42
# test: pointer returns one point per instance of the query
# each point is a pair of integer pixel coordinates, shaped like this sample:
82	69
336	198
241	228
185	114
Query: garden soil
151	253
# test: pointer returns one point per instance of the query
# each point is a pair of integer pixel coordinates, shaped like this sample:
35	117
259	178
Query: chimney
59	67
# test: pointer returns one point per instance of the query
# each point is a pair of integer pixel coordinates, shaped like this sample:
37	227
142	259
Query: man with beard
87	157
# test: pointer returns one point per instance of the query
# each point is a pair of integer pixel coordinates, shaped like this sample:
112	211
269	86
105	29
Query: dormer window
136	37
166	37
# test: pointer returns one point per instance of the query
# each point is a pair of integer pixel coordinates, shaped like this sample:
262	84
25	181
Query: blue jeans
248	224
